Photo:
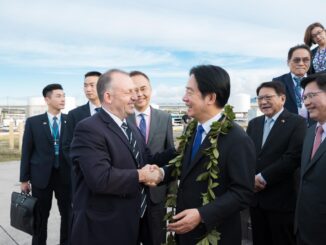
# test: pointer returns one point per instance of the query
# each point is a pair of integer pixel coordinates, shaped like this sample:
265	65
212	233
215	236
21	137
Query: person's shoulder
78	109
256	119
293	116
160	112
281	78
36	118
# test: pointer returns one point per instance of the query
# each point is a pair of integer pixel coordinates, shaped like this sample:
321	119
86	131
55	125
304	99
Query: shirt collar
322	125
292	75
116	119
275	116
147	112
207	125
51	116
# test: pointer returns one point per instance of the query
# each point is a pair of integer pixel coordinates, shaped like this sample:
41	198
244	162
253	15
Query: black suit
236	165
37	166
290	102
74	117
108	196
272	210
160	138
310	218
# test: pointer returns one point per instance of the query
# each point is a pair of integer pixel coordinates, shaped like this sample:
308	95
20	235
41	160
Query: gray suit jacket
160	138
310	218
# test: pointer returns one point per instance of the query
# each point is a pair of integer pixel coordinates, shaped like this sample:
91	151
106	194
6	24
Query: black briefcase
24	213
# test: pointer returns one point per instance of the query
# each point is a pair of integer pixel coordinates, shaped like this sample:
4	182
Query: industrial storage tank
240	102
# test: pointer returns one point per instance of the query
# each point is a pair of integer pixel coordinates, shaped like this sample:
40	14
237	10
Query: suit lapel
46	126
63	125
289	84
86	110
154	120
276	130
117	130
306	161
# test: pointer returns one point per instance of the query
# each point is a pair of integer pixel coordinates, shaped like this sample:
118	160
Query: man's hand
186	221
260	184
25	187
150	175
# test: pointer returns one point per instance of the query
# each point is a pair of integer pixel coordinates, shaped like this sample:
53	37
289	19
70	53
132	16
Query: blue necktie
197	141
267	129
97	109
55	135
142	125
297	90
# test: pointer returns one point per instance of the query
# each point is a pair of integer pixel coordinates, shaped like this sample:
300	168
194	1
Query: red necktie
317	142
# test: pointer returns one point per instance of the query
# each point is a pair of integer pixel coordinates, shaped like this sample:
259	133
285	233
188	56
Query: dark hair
137	73
276	85
49	88
93	73
104	82
319	78
300	46
212	79
307	36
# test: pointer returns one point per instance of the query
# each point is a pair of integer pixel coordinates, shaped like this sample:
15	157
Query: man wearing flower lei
215	166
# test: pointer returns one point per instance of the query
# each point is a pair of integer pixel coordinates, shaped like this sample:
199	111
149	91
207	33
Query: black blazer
310	218
74	117
278	159
290	102
160	138
107	200
38	152
236	164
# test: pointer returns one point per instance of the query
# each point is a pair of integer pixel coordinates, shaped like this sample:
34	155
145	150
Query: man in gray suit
156	128
310	218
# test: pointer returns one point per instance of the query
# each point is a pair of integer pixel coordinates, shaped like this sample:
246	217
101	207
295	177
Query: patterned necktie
55	135
318	138
297	90
135	152
267	129
142	125
197	141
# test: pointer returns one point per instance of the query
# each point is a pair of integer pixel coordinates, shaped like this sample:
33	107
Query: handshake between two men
150	175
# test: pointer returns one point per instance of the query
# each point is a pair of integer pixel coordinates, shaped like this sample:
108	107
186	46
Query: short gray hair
104	82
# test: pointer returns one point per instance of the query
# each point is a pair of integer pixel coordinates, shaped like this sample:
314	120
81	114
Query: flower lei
210	176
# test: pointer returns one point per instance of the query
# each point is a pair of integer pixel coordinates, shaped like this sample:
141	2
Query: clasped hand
150	175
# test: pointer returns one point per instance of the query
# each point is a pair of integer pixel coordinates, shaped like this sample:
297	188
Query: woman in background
315	34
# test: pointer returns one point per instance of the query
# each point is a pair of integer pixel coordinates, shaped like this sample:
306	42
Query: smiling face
199	107
299	63
121	96
318	35
316	105
269	102
143	91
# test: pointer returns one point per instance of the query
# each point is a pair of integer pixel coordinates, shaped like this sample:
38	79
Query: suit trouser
44	196
152	227
272	227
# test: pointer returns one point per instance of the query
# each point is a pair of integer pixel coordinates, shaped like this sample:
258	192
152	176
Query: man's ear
211	98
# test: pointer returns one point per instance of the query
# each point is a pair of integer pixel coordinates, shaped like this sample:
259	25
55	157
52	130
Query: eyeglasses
317	34
297	60
310	95
265	97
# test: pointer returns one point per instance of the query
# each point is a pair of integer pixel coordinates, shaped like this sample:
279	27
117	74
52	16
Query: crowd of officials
107	161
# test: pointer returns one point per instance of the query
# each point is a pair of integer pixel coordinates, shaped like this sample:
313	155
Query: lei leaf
210	175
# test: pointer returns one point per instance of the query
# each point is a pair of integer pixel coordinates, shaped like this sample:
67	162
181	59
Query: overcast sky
59	41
